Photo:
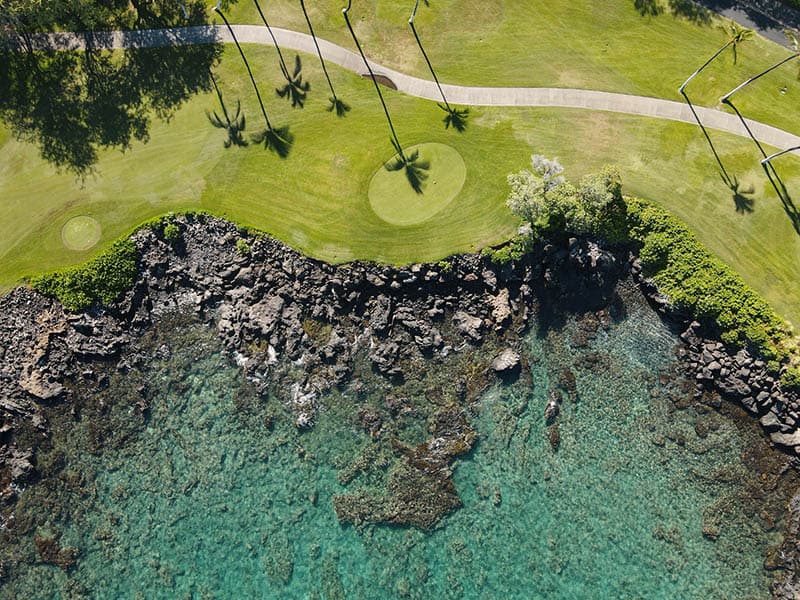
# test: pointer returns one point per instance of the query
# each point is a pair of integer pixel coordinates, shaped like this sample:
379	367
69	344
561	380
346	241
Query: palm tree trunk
425	54
744	84
725	176
395	140
319	52
247	66
219	95
705	64
726	99
682	91
284	68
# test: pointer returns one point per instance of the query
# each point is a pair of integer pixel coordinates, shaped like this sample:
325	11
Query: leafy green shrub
99	281
172	233
515	249
791	379
701	284
655	252
242	247
553	206
445	265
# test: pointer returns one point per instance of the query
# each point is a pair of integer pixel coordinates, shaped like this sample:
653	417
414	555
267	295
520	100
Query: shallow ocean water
211	500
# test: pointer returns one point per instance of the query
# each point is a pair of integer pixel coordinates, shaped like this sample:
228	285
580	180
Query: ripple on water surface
210	499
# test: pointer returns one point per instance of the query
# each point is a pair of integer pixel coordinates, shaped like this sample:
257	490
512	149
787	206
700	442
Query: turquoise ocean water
218	496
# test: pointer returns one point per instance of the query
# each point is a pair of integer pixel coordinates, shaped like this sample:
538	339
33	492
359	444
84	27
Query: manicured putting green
80	233
394	200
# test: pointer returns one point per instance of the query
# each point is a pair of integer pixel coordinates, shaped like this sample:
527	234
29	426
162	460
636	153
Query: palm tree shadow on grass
279	140
726	177
455	118
340	107
780	189
295	89
233	126
276	139
414	167
743	203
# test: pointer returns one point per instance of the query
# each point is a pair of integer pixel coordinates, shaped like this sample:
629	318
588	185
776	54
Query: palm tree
780	188
455	117
736	35
341	108
279	140
295	89
726	99
235	126
411	163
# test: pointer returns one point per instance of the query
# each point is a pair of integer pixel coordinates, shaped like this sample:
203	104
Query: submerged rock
507	360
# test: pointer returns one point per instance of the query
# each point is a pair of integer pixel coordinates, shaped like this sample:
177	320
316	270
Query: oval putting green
80	233
394	200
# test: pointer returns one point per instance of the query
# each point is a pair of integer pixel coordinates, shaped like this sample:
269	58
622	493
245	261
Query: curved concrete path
423	88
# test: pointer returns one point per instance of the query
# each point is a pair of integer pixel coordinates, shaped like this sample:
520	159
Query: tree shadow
780	189
73	103
233	126
455	117
692	11
295	89
729	181
648	8
741	200
746	126
276	139
413	166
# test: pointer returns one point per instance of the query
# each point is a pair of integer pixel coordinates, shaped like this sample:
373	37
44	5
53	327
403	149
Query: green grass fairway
317	199
395	201
81	233
605	46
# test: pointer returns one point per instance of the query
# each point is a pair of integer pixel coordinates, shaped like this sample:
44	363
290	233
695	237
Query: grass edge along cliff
692	279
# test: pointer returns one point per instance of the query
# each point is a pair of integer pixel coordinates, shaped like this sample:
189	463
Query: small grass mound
81	233
394	200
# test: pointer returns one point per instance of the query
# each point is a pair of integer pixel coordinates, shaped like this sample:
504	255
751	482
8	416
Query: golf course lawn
317	199
606	46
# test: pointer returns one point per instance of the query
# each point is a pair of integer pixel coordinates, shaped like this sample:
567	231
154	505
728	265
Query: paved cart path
422	88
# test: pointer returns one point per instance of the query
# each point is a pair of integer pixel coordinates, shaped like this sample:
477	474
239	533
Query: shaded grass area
576	44
316	199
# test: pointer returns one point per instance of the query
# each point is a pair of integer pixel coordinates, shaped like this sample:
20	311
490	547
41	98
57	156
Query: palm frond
339	106
395	164
278	140
298	65
215	120
455	118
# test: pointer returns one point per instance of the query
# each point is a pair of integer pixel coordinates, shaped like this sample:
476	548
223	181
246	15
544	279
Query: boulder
501	308
468	325
507	360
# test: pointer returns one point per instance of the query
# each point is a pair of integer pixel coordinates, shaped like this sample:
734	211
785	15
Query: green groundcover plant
100	281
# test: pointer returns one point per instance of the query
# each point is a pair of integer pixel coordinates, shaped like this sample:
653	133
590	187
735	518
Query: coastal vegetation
694	280
100	281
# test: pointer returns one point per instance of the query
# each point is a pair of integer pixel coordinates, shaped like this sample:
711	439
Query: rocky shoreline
279	314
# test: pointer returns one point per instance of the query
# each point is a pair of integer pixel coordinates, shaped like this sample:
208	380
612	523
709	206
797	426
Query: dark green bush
701	284
100	281
172	233
791	379
515	249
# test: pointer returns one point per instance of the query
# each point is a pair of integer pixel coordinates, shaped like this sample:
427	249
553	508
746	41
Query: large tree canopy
72	103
